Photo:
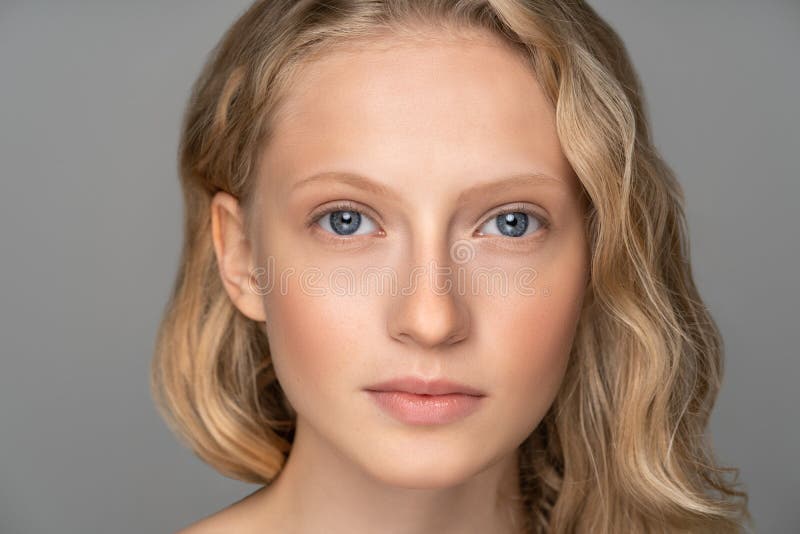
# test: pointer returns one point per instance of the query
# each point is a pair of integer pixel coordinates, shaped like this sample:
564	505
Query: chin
422	466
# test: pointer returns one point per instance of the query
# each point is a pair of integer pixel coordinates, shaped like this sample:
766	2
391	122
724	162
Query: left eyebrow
517	180
476	191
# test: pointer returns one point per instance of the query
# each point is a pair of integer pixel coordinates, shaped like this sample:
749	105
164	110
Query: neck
320	490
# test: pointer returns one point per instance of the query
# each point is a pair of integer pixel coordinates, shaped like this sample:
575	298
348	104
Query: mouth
419	402
419	386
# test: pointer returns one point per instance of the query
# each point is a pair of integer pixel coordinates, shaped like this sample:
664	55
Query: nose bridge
429	311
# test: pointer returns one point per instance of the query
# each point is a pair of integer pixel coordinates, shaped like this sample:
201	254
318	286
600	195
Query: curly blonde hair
624	446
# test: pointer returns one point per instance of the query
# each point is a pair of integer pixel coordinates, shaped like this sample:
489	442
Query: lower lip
426	409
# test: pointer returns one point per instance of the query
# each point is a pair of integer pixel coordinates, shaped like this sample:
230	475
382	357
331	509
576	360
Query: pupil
514	223
344	222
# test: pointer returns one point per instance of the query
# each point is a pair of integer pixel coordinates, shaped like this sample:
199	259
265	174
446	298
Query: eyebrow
478	190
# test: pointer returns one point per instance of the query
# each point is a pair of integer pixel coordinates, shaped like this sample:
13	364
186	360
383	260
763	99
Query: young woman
540	361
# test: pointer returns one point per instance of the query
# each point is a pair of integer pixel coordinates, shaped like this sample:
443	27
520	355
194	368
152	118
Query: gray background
91	95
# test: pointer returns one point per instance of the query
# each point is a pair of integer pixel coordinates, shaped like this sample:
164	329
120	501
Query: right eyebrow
352	179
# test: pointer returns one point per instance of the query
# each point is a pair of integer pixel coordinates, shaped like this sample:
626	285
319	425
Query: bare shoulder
241	517
218	523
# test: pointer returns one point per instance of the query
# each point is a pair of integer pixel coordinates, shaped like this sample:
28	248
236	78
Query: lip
420	386
425	402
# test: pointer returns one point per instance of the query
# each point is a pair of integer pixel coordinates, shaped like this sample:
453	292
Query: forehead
416	112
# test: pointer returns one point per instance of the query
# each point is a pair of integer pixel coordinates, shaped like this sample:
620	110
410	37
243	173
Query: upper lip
421	386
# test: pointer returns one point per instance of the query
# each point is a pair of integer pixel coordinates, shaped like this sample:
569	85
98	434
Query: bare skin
430	122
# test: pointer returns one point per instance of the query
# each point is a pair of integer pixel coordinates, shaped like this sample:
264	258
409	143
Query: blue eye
515	223
343	220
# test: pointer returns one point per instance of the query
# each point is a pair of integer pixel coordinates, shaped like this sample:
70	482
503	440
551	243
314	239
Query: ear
234	254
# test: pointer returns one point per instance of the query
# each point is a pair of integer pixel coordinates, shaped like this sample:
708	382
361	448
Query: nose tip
428	316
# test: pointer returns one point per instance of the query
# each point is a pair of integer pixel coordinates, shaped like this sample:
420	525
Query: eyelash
345	205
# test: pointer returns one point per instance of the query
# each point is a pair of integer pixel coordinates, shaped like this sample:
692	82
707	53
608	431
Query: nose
429	311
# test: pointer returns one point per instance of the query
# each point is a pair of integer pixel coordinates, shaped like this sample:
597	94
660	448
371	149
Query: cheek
531	337
310	339
533	350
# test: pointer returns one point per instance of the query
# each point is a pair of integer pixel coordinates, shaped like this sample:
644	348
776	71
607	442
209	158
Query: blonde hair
623	448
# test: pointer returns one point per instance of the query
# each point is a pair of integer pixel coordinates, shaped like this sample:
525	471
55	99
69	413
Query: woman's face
465	209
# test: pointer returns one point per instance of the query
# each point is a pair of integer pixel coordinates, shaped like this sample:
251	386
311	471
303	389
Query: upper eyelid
516	207
343	205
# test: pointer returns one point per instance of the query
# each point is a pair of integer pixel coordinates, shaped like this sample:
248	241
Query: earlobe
234	254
